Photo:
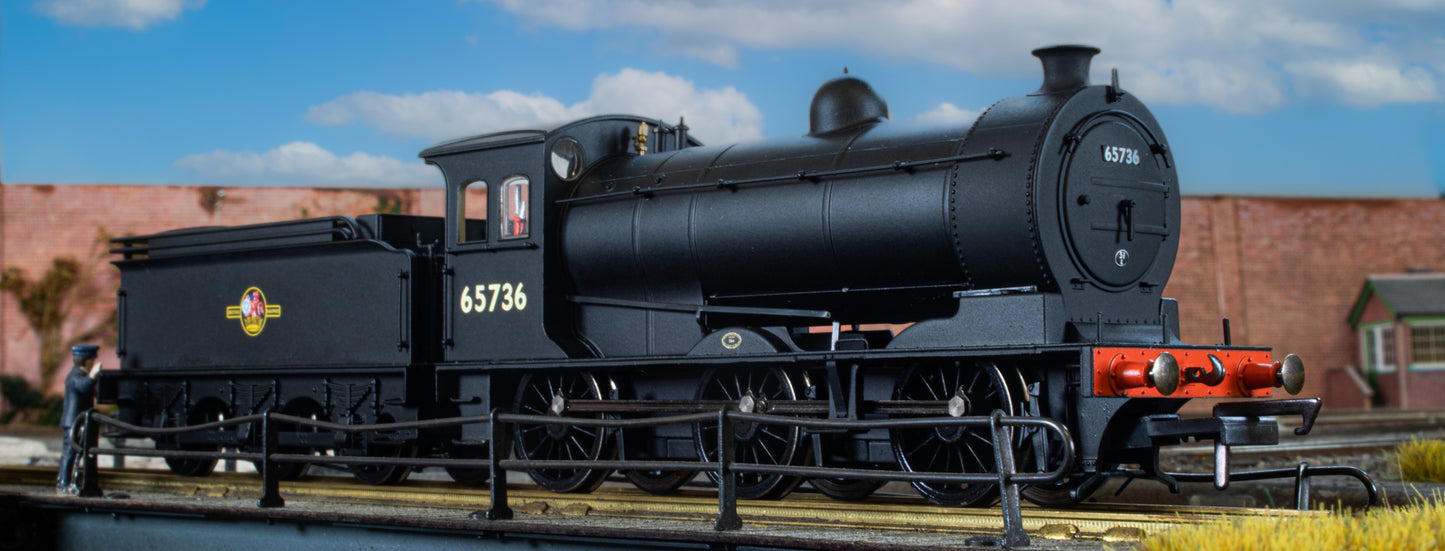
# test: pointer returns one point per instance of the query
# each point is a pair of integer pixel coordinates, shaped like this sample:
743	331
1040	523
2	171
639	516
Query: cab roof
507	138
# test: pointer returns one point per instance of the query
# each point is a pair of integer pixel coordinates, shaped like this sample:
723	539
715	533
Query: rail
1001	429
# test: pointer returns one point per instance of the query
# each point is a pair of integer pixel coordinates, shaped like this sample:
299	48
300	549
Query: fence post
89	477
500	448
1003	454
727	486
270	471
1302	487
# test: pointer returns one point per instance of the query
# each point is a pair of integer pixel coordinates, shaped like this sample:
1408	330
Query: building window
515	200
1379	348
1427	345
472	212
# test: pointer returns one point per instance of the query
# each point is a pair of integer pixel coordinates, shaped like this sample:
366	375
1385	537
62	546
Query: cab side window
515	201
472	212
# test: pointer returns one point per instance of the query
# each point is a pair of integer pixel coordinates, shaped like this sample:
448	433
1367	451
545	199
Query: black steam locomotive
1022	256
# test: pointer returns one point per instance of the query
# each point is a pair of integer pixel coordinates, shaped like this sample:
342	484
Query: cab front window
472	212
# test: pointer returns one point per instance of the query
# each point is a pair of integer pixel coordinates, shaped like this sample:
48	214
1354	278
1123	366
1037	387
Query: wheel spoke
974	453
770	433
988	442
933	393
932	436
932	462
773	459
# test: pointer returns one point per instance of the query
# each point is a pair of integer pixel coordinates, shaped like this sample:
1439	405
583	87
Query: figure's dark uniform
79	396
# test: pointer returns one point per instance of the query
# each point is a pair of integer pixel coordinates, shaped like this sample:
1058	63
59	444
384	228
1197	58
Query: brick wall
41	222
1287	271
1284	271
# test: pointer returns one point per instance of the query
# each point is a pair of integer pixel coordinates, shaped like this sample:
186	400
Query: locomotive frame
614	269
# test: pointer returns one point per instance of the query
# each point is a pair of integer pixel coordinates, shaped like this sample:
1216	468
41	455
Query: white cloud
1367	84
949	113
1239	56
136	15
715	115
722	114
307	164
440	114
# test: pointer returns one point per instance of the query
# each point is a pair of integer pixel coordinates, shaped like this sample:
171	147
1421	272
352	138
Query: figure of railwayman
79	396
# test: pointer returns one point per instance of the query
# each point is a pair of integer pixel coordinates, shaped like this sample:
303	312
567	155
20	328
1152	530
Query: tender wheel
205	412
383	475
306	409
971	390
547	394
752	388
845	489
464	475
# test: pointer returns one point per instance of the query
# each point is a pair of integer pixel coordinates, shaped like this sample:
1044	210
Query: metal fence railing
1000	429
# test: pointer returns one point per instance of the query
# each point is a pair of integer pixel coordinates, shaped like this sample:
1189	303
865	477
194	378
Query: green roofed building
1400	319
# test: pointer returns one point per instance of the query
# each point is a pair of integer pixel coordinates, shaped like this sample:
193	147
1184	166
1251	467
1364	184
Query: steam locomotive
866	270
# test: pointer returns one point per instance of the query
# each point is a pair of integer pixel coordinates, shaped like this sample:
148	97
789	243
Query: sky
1334	98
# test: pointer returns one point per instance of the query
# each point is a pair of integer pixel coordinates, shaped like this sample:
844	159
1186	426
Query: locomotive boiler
615	267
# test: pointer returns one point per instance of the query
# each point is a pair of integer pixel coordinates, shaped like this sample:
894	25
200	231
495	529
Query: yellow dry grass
1422	460
1414	527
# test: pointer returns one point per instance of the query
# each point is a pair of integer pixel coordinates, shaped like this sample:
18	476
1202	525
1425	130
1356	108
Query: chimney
1066	68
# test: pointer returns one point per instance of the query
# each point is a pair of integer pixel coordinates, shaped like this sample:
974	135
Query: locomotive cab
495	235
503	293
505	195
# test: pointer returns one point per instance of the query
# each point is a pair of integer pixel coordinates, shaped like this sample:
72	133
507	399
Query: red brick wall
1374	311
1341	390
1285	271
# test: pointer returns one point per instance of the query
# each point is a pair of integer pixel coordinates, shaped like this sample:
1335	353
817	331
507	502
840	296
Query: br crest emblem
253	311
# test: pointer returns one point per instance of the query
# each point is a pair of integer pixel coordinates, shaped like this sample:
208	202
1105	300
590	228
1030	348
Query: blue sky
1292	97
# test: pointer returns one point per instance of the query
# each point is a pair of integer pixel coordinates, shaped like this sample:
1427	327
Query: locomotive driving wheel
846	489
548	394
969	390
1044	452
752	388
659	482
635	444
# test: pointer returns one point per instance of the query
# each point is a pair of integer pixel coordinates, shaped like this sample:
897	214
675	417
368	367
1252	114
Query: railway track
901	515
